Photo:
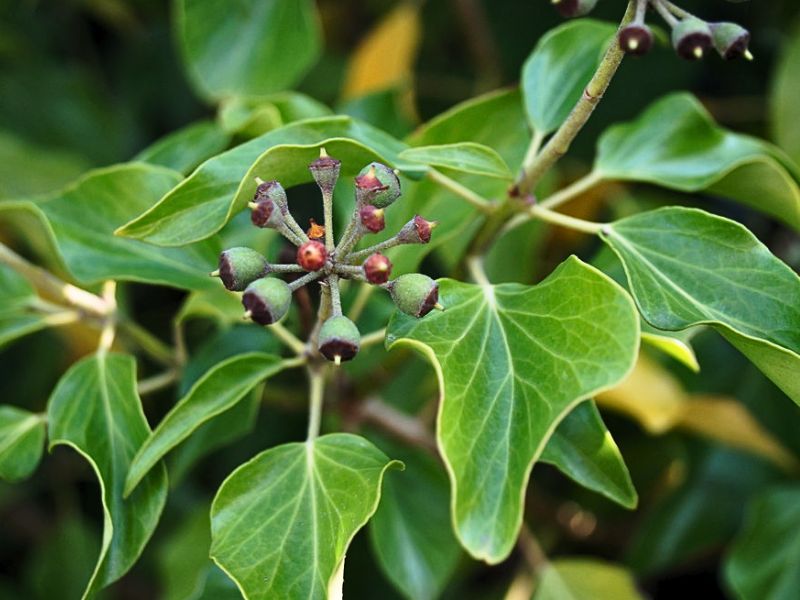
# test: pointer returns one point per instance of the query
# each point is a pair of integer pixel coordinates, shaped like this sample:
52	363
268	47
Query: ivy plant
432	367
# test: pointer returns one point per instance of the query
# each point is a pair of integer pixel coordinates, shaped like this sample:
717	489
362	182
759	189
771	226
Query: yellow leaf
726	420
650	395
385	58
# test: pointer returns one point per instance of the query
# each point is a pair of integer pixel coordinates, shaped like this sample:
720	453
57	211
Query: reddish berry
372	218
378	185
377	268
312	255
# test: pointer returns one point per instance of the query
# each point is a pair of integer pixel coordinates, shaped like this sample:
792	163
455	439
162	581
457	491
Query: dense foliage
430	271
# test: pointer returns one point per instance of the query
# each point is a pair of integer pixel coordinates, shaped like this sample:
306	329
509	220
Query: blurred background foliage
87	83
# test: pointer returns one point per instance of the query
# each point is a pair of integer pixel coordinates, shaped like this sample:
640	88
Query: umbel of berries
319	257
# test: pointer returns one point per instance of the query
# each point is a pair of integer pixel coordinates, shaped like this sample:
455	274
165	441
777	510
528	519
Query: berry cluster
691	36
267	299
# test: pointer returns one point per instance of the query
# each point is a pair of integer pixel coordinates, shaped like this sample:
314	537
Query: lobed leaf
512	362
96	411
281	523
687	267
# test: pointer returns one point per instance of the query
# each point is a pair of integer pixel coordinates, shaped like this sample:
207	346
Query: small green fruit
325	171
731	40
574	8
238	267
339	339
415	294
635	39
378	185
691	37
267	300
271	190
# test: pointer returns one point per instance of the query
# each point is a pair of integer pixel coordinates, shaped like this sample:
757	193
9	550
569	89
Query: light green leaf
783	97
676	144
764	561
512	362
251	48
687	267
17	298
558	69
582	578
466	157
80	221
217	391
583	449
21	442
186	148
202	203
671	345
281	523
256	115
411	532
96	411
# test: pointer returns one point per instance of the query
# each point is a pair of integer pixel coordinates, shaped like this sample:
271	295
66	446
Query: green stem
157	382
327	207
288	338
566	221
336	298
379	247
307	278
558	145
460	190
158	350
360	302
316	393
109	330
376	337
575	189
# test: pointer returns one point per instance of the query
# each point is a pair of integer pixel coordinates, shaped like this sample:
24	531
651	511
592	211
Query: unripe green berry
731	40
267	300
240	266
574	8
325	171
635	39
691	37
378	185
339	339
271	190
266	214
414	294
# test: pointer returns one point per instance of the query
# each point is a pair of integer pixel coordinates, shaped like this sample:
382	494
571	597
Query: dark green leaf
558	69
765	559
513	361
186	148
687	267
785	91
281	523
96	411
253	47
21	442
675	143
411	532
583	449
80	223
219	390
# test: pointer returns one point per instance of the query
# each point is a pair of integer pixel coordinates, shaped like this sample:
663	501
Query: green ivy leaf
217	391
764	561
281	523
579	578
783	97
676	144
583	449
255	47
558	69
21	442
512	362
687	267
204	202
465	157
96	411
17	298
79	224
411	532
186	148
255	115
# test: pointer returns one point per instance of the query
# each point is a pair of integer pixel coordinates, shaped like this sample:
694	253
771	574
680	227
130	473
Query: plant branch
158	350
289	339
533	169
573	190
157	382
